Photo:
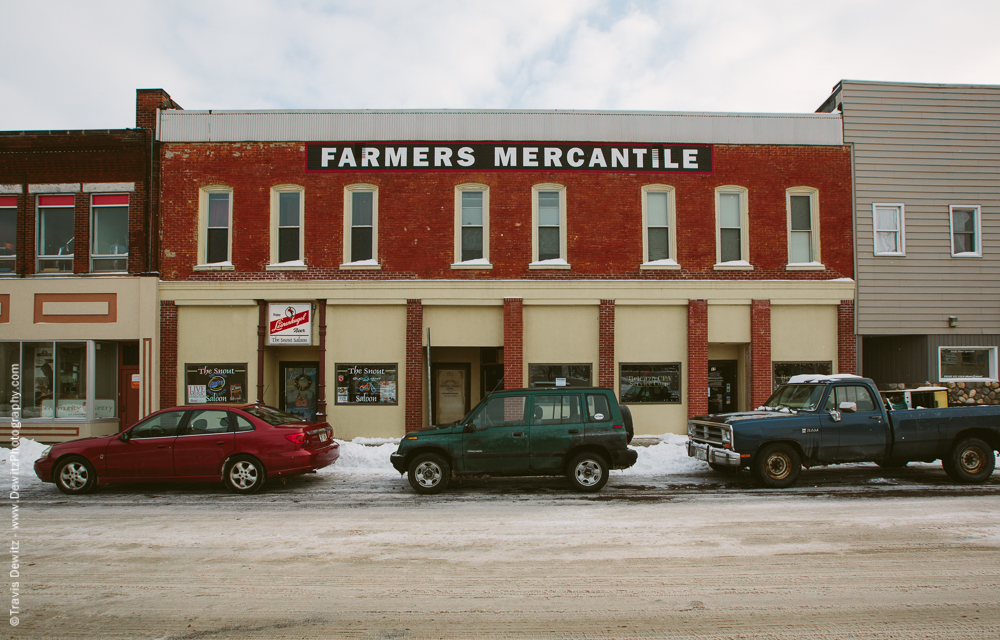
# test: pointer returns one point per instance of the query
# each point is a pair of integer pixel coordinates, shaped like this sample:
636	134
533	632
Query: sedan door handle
163	446
518	434
220	442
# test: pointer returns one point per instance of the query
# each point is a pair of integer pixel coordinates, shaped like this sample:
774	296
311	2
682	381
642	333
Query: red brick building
78	282
388	269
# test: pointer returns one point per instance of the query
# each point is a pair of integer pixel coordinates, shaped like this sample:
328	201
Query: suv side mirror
468	427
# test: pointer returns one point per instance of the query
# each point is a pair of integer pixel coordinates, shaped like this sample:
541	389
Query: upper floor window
109	232
965	231
472	226
8	234
889	229
548	220
659	242
802	204
56	216
732	220
287	226
215	222
361	226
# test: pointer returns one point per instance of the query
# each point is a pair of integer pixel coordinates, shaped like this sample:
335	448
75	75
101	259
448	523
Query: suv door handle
518	434
574	431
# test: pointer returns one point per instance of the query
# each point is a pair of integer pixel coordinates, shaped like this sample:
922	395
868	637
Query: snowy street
667	550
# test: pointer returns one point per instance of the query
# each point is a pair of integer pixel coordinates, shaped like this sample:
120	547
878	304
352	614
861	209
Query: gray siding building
926	161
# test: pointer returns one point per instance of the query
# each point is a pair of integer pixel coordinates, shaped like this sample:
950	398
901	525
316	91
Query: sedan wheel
75	476
244	475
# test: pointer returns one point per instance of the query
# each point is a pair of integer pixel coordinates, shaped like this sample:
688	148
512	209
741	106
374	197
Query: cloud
77	64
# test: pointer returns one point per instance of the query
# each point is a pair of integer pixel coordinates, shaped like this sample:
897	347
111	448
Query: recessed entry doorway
722	386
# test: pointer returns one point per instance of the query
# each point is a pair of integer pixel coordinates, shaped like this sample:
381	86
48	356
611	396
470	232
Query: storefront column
760	352
414	365
168	354
606	348
697	379
847	341
321	369
513	343
261	341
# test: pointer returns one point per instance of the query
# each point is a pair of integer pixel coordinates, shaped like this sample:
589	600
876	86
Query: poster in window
367	384
215	383
658	383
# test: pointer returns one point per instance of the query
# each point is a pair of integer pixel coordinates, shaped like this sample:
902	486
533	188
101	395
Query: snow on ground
370	456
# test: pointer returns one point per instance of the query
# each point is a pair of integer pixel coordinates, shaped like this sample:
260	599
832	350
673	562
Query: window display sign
651	383
366	383
212	383
290	324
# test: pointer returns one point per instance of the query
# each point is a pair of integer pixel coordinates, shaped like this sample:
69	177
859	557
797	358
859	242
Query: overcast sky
76	64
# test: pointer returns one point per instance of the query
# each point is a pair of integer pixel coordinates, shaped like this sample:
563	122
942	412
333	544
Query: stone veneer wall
959	393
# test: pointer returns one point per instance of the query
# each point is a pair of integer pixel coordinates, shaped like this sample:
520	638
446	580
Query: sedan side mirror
124	437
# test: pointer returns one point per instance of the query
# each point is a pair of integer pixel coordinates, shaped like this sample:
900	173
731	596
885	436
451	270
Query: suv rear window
557	409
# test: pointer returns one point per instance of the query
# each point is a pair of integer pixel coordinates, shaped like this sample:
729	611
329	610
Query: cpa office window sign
650	383
502	156
289	323
367	383
211	383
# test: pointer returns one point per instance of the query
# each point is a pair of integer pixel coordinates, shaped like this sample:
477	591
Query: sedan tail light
297	438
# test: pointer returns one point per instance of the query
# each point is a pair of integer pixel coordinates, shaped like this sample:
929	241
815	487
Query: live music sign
290	323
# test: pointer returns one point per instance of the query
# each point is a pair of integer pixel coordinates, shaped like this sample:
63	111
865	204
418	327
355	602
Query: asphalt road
851	552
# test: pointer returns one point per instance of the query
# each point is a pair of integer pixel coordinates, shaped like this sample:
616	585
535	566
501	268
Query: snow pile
29	451
365	455
667	457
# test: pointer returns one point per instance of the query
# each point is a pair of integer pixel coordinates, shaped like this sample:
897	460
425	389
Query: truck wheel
429	473
970	461
629	428
777	466
587	472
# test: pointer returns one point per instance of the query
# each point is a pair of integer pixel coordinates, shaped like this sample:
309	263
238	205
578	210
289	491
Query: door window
854	393
207	421
561	409
163	425
507	411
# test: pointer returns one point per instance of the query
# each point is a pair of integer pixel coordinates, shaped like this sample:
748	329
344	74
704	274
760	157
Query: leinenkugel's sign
289	323
501	156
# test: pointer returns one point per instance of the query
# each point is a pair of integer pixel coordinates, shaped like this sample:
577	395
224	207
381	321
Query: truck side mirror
848	407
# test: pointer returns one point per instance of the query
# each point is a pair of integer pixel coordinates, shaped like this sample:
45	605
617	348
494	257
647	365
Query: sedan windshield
272	416
797	397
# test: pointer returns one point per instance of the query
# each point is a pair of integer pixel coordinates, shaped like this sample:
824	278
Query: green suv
579	433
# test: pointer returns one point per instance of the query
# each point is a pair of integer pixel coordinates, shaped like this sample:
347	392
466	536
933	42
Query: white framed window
966	231
732	221
287	227
109	232
889	224
215	223
8	234
472	227
659	238
55	233
548	223
958	364
360	227
802	205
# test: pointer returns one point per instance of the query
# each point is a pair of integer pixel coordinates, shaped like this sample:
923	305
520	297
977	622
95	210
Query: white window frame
978	253
13	257
93	229
816	264
993	363
555	263
294	265
901	212
483	263
743	264
671	261
203	265
373	263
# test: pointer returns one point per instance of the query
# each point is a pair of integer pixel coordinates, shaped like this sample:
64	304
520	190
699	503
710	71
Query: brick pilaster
847	342
414	365
697	378
760	352
513	343
606	355
168	354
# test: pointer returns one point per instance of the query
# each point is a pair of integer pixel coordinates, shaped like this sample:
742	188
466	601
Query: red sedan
242	446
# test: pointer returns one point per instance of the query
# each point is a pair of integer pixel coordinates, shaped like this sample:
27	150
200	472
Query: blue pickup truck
820	420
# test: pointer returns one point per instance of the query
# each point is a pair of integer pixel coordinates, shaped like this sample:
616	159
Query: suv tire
587	472
429	473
